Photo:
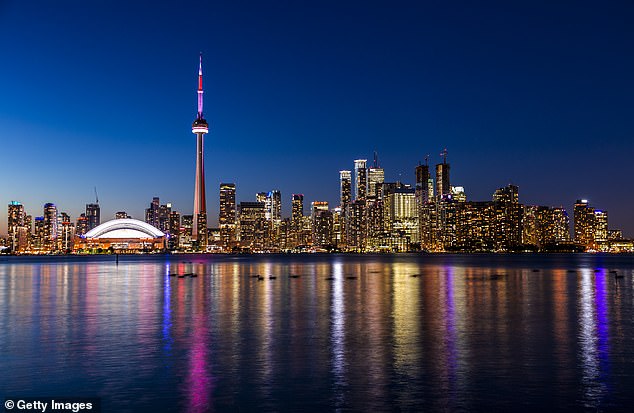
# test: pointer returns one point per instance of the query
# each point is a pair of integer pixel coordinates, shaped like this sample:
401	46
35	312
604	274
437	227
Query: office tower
356	226
67	232
544	226
584	223
200	128
508	218
422	185
152	213
252	225
121	215
39	240
601	228
174	230
443	186
17	227
361	179
322	224
345	190
50	227
297	211
376	177
274	205
164	212
81	227
186	231
227	217
403	213
93	215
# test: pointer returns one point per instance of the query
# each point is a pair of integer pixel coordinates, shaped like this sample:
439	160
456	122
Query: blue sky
102	94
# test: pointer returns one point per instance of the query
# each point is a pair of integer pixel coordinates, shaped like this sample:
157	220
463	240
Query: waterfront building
252	221
93	214
81	227
508	218
39	239
590	226
322	224
361	179
67	233
403	213
122	235
120	215
376	177
227	217
422	187
50	227
345	190
200	128
152	213
443	185
356	226
18	228
185	239
297	217
174	230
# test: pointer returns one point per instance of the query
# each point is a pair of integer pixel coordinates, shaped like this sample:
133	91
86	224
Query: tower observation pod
200	128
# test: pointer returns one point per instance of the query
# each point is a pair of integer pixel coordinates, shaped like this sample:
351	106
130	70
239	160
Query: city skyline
527	117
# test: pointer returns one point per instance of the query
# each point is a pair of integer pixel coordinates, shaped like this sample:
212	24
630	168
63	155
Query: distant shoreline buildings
372	216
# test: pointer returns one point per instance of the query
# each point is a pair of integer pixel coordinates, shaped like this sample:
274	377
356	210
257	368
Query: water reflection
349	333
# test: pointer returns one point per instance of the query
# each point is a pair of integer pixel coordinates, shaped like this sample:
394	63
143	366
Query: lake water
350	333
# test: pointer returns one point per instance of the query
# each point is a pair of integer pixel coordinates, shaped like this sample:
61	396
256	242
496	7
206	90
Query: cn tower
200	127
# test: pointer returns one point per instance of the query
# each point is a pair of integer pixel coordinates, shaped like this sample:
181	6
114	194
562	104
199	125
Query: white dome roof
124	228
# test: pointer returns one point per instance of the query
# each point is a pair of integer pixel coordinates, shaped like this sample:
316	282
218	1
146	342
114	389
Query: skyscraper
200	128
376	177
422	185
443	186
152	213
345	190
227	217
93	215
361	179
50	227
16	227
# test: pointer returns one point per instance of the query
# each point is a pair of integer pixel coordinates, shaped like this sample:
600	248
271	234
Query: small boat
272	277
260	278
415	275
351	278
294	276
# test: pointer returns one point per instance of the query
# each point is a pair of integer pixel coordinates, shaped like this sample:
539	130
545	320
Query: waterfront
352	332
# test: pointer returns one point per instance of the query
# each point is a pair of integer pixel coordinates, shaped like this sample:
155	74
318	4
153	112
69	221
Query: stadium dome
124	228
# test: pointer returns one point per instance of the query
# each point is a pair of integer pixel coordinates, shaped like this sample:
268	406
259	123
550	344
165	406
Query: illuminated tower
200	127
443	186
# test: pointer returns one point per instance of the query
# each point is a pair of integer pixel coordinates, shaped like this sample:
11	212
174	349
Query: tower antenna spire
96	196
444	155
200	86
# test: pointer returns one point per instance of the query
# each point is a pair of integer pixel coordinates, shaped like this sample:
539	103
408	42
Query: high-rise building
584	223
252	225
508	218
403	213
200	128
345	190
50	227
422	185
185	239
601	228
81	227
174	230
297	209
164	217
152	213
39	240
17	228
443	185
322	224
93	214
376	177
227	217
356	226
274	205
66	233
361	179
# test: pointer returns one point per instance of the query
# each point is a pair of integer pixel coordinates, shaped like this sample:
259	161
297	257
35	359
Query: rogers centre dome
122	234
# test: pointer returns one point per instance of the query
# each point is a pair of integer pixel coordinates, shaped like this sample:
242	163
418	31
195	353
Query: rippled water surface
345	332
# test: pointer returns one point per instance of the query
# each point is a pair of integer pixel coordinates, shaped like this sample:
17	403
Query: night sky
103	93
